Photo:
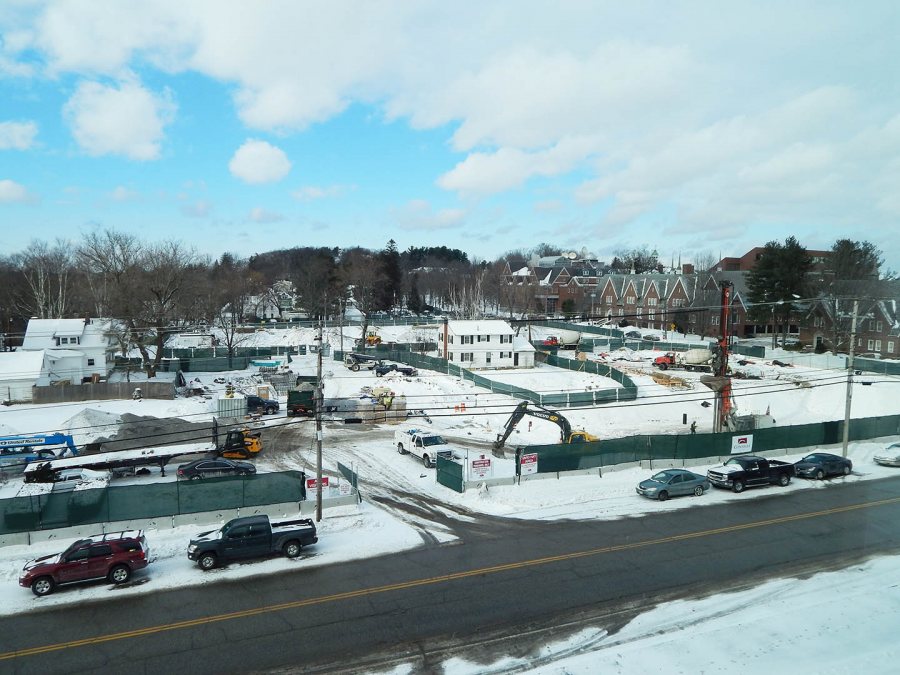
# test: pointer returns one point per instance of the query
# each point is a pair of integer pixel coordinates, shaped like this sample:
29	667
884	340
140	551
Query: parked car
651	338
251	537
890	456
672	483
258	404
750	471
69	479
113	556
634	334
818	465
214	468
383	369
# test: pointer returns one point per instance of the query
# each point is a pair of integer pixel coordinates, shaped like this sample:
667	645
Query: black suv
263	405
385	368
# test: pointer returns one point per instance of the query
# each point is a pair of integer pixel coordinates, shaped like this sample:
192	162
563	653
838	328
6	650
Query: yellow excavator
567	434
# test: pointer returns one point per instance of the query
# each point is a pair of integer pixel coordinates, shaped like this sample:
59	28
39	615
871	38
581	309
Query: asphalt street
498	589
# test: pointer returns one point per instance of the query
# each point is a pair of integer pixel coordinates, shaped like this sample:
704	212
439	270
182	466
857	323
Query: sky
690	127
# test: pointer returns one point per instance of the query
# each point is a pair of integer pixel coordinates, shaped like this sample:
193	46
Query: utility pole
849	378
319	392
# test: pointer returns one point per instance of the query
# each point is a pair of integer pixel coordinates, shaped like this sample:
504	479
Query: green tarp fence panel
608	452
153	500
449	474
877	366
756	351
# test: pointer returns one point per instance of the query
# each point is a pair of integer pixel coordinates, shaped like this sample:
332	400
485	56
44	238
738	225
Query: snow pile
90	424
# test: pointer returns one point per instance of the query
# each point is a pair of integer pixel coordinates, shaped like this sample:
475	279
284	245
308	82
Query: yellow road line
347	595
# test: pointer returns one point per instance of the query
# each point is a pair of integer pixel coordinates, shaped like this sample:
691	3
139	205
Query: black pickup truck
383	369
251	537
750	471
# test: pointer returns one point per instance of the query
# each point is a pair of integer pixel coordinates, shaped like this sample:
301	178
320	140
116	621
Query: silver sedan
672	483
890	456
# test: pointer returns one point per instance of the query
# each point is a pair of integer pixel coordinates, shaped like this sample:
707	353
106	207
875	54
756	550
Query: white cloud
419	215
126	119
12	193
198	209
308	193
17	135
259	162
261	215
123	194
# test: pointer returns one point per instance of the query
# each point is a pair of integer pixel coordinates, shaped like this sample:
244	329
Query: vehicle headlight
192	548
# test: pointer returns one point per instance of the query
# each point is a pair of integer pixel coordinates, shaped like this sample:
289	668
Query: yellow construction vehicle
373	338
240	444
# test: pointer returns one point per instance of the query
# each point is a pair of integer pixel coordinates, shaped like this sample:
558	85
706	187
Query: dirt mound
138	431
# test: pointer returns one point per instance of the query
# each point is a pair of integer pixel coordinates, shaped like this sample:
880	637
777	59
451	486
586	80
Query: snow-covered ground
684	633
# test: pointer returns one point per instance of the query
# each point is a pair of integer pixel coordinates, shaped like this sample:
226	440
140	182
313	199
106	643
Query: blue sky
690	127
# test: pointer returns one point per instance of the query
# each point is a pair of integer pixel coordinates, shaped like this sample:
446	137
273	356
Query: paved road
512	580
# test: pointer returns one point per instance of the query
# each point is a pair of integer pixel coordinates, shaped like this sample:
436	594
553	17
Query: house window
450	339
818	322
714	320
621	312
484	338
639	310
630	300
651	302
506	339
450	356
608	299
678	302
465	356
879	326
90	362
466	339
505	355
877	345
871	344
651	316
487	357
890	345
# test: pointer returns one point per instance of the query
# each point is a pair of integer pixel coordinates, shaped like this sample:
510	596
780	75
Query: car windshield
734	461
433	440
812	458
661	477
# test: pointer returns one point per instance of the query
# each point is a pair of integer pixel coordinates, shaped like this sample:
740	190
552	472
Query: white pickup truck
424	444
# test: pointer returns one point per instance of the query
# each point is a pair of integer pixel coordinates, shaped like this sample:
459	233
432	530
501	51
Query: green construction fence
608	452
153	500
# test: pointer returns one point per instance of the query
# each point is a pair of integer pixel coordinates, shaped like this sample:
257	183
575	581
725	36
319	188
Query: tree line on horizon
157	288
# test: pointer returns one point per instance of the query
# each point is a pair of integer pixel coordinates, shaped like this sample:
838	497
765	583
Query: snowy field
684	633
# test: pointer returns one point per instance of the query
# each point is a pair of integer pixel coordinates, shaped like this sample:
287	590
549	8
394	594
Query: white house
481	344
75	349
19	372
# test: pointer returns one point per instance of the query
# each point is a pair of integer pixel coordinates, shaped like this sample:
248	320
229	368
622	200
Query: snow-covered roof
21	365
479	327
63	353
521	344
42	333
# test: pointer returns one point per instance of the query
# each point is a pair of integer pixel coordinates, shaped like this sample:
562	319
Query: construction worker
694	427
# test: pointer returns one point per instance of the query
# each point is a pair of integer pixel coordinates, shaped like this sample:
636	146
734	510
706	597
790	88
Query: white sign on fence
741	444
528	464
481	468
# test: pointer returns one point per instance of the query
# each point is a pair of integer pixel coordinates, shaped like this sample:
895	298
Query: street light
593	295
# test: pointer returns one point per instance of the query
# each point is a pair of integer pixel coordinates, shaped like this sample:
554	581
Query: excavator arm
522	409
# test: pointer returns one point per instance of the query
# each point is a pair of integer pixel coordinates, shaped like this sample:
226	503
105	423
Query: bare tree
364	277
47	273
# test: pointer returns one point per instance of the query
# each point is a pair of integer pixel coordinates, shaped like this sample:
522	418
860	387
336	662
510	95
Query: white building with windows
482	344
74	349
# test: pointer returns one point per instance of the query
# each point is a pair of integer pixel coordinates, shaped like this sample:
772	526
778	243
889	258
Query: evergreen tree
413	300
779	277
391	292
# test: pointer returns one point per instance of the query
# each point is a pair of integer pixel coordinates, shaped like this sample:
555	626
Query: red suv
113	556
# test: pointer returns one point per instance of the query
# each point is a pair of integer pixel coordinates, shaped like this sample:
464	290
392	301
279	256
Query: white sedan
890	456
